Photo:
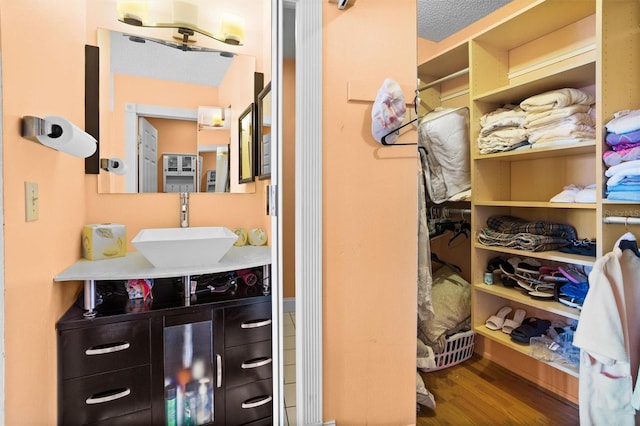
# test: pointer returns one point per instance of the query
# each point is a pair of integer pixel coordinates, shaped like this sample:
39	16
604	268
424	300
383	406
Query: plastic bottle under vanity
190	404
170	404
204	402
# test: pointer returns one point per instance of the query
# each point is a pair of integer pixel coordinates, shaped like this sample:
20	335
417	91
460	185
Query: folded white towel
545	118
622	166
557	99
616	178
567	130
624	121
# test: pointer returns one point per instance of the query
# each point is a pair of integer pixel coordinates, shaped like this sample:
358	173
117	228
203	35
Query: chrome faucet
184	210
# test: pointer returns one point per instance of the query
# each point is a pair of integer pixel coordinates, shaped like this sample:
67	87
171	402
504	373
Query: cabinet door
192	347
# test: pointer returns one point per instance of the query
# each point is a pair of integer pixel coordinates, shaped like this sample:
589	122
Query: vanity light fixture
180	46
213	117
185	18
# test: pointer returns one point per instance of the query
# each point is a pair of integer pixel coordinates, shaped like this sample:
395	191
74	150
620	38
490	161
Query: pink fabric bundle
388	111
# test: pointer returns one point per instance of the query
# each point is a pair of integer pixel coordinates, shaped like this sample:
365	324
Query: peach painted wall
370	216
42	47
289	176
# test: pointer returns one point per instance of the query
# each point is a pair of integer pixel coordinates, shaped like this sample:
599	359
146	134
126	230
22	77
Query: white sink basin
176	247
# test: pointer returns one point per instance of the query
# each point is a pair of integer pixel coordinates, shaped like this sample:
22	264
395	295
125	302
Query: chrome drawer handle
255	324
219	368
255	363
251	403
101	350
107	398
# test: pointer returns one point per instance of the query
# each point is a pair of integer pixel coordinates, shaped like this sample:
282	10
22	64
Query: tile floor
289	327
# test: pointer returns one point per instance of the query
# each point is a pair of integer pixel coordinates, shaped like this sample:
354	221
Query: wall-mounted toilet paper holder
113	165
32	127
60	134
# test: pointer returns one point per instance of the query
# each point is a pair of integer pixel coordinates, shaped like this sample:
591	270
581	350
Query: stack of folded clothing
502	130
623	161
559	117
517	233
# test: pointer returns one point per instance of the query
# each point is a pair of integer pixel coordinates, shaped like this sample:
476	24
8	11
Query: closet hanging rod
621	220
444	212
443	79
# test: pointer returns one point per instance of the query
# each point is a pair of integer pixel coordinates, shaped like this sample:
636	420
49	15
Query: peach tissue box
103	241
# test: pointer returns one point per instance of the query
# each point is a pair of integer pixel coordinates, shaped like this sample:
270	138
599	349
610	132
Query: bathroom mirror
263	133
246	143
152	118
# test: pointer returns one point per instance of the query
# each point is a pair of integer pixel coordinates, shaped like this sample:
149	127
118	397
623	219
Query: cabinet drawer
267	421
103	396
141	418
248	363
247	403
103	348
247	324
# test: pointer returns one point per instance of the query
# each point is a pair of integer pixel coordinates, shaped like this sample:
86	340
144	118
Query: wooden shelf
516	295
578	73
551	255
588	147
505	340
536	204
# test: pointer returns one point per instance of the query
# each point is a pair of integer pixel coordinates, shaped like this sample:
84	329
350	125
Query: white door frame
131	114
308	212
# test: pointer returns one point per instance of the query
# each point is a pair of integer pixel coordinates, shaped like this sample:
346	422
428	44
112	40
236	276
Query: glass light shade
136	9
232	28
214	117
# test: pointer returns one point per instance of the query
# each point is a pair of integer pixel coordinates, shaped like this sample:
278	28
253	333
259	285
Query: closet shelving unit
549	46
593	45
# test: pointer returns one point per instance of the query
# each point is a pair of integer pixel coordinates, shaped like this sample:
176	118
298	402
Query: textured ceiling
438	19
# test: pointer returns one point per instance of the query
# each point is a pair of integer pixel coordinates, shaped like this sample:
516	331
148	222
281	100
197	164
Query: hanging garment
425	281
608	335
444	133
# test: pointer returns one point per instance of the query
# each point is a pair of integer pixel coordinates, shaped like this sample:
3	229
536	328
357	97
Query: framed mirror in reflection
168	113
263	132
246	143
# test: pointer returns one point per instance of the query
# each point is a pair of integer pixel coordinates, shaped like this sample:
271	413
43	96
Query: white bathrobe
607	329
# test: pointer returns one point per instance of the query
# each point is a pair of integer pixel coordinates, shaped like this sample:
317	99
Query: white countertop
134	265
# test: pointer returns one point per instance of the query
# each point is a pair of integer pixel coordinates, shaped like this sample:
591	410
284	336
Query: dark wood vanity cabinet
135	368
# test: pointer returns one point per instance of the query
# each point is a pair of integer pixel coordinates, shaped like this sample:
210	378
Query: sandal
516	321
530	327
495	322
573	274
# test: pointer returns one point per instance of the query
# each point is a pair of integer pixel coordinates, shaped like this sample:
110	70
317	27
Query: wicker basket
459	348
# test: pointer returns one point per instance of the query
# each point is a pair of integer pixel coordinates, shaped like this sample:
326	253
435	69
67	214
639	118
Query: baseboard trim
289	304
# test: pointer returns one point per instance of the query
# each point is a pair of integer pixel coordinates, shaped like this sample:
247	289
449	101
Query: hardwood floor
480	392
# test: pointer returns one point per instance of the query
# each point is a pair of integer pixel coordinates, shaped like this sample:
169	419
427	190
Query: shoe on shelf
516	321
568	194
495	322
573	273
531	327
587	194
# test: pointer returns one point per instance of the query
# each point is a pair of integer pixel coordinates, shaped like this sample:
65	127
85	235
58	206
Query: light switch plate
31	205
